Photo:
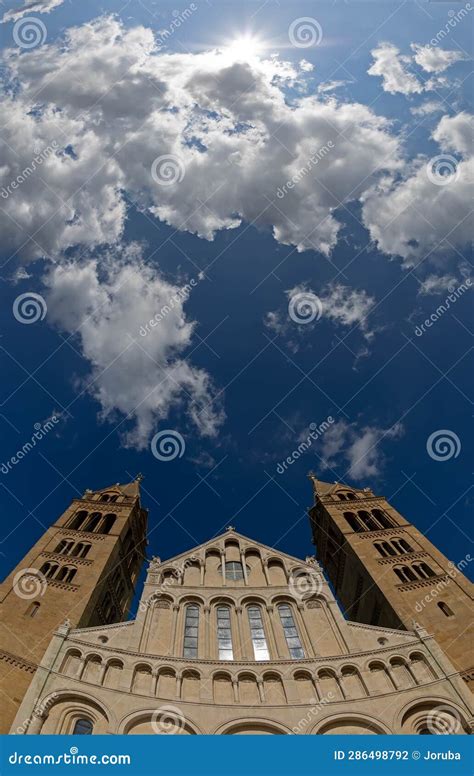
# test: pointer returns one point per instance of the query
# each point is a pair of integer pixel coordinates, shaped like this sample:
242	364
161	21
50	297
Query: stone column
241	651
235	687
261	691
306	638
244	566
265	571
80	668
223	566
179	682
272	640
202	568
174	629
207	626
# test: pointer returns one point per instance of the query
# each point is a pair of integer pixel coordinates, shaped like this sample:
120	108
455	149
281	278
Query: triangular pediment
322	488
218	542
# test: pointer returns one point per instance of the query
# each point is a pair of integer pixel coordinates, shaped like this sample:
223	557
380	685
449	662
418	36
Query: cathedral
371	636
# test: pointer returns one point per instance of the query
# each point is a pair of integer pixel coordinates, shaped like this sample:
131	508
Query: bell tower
386	572
83	569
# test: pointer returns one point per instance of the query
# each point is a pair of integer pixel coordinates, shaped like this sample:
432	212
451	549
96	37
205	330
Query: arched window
80	550
291	633
224	633
78	520
341	496
423	570
445	609
405	546
257	633
380	549
83	727
92	522
389	549
33	609
64	546
233	570
368	521
105	497
49	569
353	522
191	631
405	573
70	575
382	518
108	523
351	497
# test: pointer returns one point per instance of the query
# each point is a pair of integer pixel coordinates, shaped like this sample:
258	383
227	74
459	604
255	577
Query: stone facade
234	637
83	568
386	572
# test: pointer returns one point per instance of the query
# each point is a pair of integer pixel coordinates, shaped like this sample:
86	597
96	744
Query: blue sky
371	236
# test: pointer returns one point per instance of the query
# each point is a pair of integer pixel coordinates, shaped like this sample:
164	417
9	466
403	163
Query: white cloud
31	6
116	103
436	284
342	305
358	449
414	217
435	59
426	108
137	378
391	65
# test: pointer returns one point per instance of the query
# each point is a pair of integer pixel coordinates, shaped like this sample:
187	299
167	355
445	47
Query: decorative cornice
20	662
68	559
404	556
429	582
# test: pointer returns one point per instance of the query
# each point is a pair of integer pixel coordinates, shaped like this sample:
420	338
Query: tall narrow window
191	631
291	634
260	649
224	633
233	570
82	727
441	604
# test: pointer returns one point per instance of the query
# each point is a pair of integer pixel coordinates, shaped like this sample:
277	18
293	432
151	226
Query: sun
244	48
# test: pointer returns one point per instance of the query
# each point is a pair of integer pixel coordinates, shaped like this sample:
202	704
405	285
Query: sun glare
245	47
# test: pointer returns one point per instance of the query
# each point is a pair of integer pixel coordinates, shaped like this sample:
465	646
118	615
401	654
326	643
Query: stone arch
421	667
92	668
248	688
108	523
435	716
354	686
142	679
305	687
152	722
71	662
252	726
192	573
274	689
401	673
367	520
350	724
77	520
166	684
329	684
277	572
382	518
253	559
190	685
222	689
113	673
92	522
65	707
380	679
351	519
212	562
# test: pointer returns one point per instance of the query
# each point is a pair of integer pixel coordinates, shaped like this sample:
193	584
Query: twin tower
85	567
